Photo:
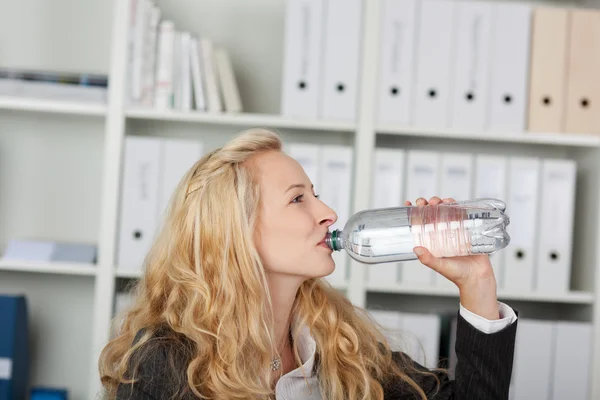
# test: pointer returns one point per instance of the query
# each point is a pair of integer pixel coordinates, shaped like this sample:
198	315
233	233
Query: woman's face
293	221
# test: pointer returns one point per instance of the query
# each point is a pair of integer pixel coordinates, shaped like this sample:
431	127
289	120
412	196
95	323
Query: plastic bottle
446	230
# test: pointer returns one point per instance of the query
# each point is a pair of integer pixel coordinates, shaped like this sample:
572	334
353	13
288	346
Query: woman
232	304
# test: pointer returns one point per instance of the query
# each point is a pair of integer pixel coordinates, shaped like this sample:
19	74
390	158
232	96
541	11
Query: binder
435	53
553	270
490	182
309	157
469	94
388	185
14	347
302	72
548	74
177	156
422	339
395	100
163	89
572	361
533	360
139	200
336	192
422	180
583	87
341	59
456	181
523	194
390	325
511	24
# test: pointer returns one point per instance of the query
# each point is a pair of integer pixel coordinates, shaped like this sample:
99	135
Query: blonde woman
232	304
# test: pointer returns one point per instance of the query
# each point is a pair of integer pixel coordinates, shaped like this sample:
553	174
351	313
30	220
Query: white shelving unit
78	148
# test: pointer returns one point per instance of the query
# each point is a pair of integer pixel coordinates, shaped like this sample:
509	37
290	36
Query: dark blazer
483	371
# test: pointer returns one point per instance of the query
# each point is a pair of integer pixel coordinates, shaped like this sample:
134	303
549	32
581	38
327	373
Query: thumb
439	265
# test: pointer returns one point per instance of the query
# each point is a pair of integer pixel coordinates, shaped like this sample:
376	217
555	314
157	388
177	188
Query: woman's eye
298	199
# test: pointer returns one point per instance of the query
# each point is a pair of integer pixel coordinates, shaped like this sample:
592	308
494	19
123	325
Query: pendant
275	364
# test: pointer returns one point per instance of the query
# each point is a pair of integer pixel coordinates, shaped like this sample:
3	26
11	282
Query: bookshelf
88	151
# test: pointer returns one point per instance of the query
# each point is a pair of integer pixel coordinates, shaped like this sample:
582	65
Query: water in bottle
446	230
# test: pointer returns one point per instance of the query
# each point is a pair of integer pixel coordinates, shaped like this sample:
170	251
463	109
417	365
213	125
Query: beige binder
583	83
548	69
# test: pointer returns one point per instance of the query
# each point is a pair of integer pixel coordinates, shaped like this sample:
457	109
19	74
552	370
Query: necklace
276	362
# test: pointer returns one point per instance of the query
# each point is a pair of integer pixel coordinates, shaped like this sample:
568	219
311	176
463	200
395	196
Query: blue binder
14	348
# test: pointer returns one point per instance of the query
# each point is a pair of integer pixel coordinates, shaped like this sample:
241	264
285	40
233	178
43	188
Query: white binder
397	61
469	94
456	181
422	180
309	157
391	325
510	66
302	70
388	185
422	337
139	201
553	270
490	182
523	194
435	52
176	158
533	360
336	192
572	360
341	59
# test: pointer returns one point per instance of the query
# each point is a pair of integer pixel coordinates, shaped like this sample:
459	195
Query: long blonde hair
204	282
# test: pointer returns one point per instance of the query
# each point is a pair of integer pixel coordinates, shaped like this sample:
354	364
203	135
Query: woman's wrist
480	298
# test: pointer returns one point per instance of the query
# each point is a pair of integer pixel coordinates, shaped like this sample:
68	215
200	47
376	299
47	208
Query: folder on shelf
422	180
198	79
469	94
533	360
523	201
511	24
342	43
490	182
163	89
302	55
227	82
456	181
387	191
390	323
149	67
336	192
583	86
548	74
435	53
422	337
553	268
29	250
211	78
177	156
397	61
139	200
572	360
14	347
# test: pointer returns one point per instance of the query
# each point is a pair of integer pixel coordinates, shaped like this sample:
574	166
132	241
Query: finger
421	201
435	200
407	203
449	200
439	265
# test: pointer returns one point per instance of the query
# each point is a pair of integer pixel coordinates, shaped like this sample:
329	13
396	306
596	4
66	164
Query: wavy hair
204	282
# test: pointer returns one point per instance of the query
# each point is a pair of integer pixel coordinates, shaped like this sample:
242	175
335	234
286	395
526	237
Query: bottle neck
333	240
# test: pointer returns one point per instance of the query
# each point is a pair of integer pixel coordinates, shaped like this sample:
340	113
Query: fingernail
419	251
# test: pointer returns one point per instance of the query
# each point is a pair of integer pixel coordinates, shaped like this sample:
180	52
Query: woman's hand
473	275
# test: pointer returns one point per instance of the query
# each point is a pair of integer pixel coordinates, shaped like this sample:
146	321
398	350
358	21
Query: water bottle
446	230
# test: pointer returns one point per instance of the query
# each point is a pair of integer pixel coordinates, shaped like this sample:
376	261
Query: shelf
52	106
573	297
244	119
553	139
59	268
